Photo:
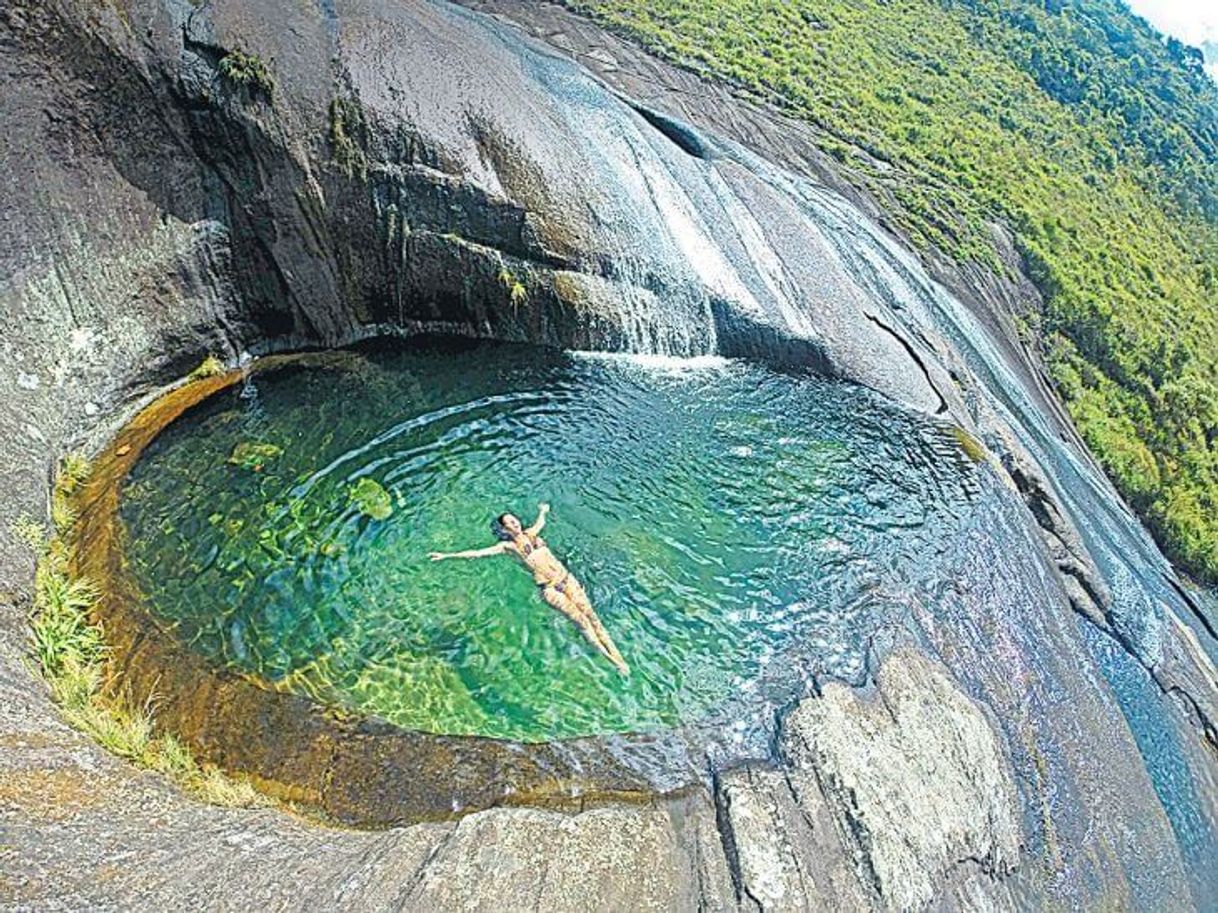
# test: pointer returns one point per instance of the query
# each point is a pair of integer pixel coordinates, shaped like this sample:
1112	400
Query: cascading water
795	273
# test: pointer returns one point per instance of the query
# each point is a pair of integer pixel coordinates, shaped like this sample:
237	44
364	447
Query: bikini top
531	544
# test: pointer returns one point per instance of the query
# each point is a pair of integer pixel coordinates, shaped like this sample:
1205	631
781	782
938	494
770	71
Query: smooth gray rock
889	802
920	773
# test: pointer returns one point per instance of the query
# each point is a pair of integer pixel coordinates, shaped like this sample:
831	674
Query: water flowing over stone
1059	681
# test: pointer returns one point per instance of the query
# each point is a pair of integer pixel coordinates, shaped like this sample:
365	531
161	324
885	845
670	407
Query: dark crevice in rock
403	901
1195	712
210	52
681	136
1201	717
1086	591
727	839
1192	606
851	833
913	353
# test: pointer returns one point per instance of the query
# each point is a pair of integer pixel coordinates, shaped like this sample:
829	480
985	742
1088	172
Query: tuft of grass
61	637
211	366
214	786
249	71
70	651
119	726
172	757
74	684
518	294
63	514
74	469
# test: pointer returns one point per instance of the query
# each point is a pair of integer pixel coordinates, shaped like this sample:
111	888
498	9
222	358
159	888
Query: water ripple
734	527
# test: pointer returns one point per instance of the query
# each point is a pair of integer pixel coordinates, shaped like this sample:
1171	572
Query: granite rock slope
1045	737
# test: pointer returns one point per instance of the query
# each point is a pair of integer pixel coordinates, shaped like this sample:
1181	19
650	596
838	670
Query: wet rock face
928	783
416	166
395	186
899	800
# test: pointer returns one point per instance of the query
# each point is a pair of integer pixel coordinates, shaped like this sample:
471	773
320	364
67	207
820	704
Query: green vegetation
346	130
73	470
1094	140
70	652
972	447
249	71
371	499
254	455
517	293
211	366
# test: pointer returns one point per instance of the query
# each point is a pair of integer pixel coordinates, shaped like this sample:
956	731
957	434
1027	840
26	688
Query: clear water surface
737	529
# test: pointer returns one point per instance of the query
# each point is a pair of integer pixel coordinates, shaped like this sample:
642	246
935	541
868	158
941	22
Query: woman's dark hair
499	529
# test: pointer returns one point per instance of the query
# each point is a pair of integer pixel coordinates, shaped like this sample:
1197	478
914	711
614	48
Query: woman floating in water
558	586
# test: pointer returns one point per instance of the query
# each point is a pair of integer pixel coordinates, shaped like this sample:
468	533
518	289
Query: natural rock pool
738	531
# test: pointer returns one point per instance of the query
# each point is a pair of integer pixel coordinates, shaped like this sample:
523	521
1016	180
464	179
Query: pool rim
351	768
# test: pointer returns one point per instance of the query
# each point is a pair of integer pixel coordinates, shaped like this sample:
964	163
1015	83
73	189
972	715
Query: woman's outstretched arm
497	549
542	511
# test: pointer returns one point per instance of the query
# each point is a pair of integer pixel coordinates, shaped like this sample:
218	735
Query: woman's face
511	524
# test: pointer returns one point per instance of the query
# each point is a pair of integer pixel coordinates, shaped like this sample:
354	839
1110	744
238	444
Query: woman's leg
579	598
608	647
586	621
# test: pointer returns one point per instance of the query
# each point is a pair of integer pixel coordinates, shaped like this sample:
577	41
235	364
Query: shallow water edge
352	770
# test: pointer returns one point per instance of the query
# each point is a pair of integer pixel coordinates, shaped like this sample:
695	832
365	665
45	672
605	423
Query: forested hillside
1071	121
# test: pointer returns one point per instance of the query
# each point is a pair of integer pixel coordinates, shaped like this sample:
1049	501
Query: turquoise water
738	530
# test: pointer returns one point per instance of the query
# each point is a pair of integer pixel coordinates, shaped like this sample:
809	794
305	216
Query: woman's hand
437	556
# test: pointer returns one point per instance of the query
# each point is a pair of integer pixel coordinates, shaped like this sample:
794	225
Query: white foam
665	363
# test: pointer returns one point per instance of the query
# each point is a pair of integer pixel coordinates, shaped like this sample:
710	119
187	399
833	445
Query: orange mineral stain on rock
48	795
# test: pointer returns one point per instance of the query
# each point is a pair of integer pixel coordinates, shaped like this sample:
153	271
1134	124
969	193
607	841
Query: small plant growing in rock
346	127
74	468
247	70
61	637
517	293
973	448
63	514
211	366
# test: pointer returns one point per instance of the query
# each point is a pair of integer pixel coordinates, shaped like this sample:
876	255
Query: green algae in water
253	455
371	499
737	530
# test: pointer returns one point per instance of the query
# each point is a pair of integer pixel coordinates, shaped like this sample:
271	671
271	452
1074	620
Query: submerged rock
371	499
254	455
